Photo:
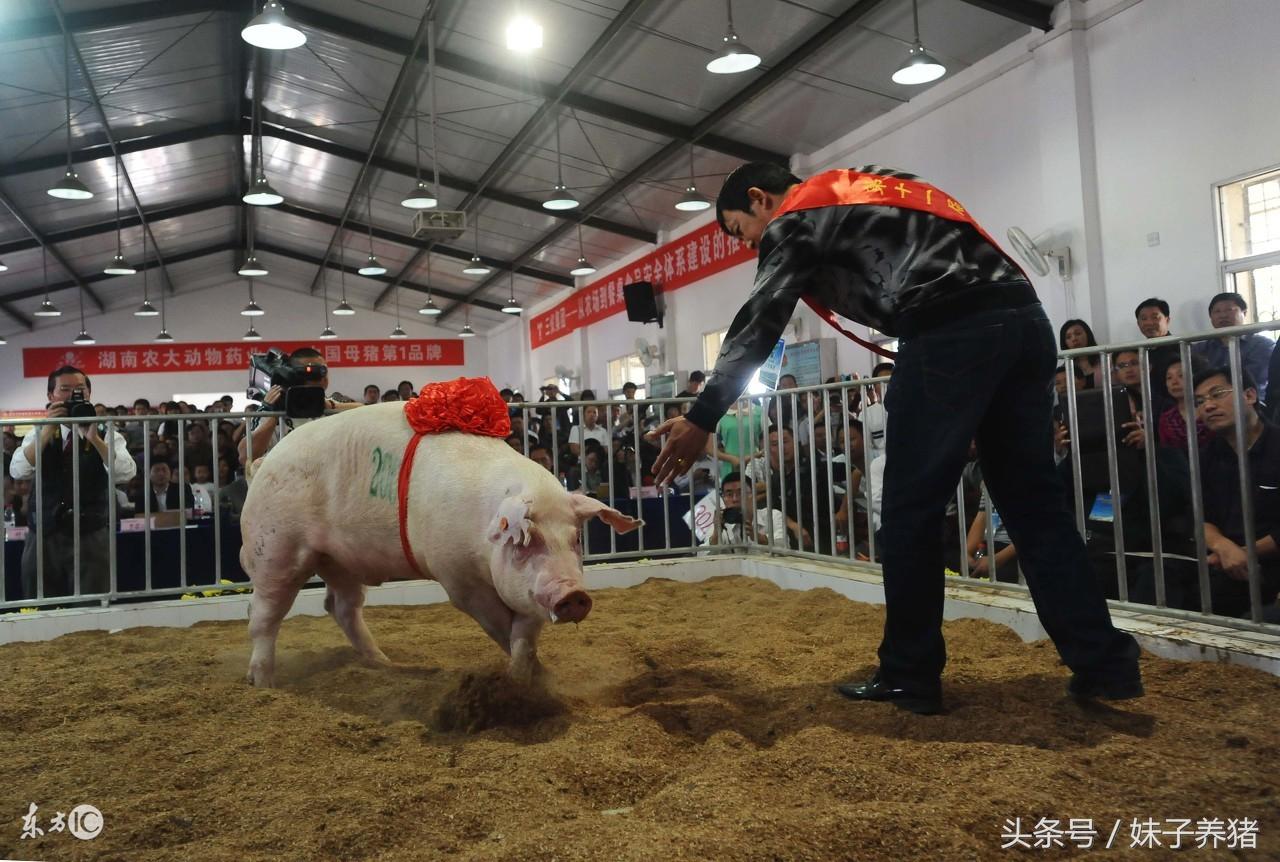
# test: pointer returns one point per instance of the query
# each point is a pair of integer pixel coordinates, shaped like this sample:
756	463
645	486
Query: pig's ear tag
512	523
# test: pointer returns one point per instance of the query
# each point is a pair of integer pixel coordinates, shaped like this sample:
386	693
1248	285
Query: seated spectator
1173	421
874	418
1153	321
165	494
16	501
391	395
161	452
1223	513
806	505
405	390
232	488
514	442
542	455
135	432
590	429
1004	556
1126	371
1229	309
731	520
518	431
588	476
10	442
1076	334
202	489
1060	382
372	393
199	450
691	388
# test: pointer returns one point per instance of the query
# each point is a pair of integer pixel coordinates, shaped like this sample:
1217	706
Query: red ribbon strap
402	496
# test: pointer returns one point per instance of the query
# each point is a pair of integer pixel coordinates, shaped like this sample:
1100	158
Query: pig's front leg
524	648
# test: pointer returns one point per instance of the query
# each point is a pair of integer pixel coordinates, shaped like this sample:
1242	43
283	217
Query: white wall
213	315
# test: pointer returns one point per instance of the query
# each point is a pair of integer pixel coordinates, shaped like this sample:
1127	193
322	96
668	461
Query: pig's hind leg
345	601
278	573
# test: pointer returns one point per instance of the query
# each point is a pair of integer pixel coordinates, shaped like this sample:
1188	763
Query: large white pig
496	530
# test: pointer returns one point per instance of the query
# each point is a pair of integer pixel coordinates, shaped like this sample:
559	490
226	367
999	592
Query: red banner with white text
694	256
233	355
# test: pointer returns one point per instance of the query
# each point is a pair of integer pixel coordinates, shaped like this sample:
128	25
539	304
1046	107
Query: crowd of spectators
806	471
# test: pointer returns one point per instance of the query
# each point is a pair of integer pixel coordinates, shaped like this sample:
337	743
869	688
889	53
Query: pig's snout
572	608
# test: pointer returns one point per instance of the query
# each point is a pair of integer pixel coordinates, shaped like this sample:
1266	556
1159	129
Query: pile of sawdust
683	721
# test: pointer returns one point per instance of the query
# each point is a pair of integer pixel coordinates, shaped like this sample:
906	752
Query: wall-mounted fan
649	353
563	373
1039	252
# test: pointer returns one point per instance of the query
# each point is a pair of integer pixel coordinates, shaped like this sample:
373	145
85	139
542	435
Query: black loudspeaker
642	302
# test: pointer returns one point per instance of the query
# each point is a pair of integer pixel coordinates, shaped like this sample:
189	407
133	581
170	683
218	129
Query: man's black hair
1062	369
408	383
144	402
506	393
1201	374
881	366
767	176
855	424
369	386
697	377
306	354
1230	296
1152	302
628	385
735	476
67	369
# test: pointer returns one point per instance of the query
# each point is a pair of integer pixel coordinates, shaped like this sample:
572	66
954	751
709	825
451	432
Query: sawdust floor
690	721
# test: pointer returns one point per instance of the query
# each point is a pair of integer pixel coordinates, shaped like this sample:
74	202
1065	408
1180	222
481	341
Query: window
711	344
1249	251
626	369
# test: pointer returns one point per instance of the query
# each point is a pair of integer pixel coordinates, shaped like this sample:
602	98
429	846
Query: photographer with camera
69	394
294	381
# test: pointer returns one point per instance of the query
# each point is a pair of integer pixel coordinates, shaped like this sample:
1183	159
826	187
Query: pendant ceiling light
421	197
118	265
164	335
582	267
371	266
146	309
260	192
692	200
920	67
47	308
398	332
429	307
84	338
560	199
251	335
467	331
252	309
327	333
476	266
251	268
734	55
69	187
512	305
273	30
343	309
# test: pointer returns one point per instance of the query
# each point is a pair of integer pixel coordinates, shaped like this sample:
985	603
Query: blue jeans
987	376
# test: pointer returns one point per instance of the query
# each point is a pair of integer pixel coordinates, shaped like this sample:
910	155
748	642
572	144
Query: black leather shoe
1085	688
876	689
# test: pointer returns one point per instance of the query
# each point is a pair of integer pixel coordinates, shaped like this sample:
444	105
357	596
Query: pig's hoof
259	679
377	659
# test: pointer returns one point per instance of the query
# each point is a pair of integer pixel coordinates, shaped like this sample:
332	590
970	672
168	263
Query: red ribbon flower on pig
471	405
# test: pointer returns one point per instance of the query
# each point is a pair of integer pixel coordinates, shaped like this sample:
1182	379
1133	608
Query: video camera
303	397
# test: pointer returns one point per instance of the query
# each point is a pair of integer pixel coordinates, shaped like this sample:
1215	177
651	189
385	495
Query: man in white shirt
874	418
62	450
590	429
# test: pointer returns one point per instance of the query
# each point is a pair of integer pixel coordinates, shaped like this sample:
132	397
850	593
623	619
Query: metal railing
816	499
40	539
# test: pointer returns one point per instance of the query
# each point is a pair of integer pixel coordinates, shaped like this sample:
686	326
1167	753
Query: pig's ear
585	508
511	523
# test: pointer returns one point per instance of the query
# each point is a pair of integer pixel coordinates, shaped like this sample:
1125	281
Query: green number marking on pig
386	474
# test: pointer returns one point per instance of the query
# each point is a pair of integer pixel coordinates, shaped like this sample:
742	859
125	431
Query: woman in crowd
1174	420
1075	334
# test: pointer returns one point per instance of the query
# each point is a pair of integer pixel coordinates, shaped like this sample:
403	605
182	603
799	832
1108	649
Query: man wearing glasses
1223	513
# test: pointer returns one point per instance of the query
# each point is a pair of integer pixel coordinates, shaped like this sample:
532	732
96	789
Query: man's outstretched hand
685	444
